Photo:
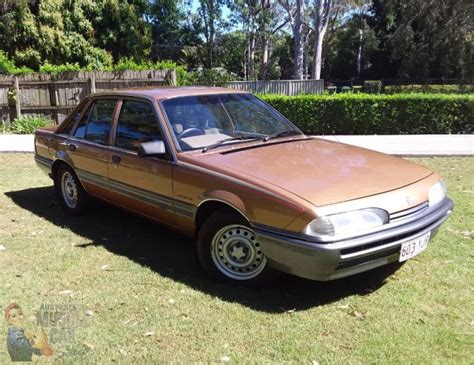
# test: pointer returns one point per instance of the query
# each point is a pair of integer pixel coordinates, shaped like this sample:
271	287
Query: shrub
430	89
372	86
128	64
28	124
212	77
8	67
377	114
49	68
124	64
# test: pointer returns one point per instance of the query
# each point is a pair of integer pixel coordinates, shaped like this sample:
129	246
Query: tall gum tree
322	11
296	15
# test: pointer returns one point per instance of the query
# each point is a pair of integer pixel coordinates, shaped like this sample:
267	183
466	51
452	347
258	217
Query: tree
322	11
423	39
120	28
172	36
299	41
230	51
262	20
246	12
349	55
297	19
90	33
210	14
270	21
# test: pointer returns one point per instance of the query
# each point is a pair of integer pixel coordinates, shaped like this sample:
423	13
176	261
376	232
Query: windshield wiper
282	134
236	138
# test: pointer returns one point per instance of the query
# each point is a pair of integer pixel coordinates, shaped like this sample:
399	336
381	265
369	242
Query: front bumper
329	261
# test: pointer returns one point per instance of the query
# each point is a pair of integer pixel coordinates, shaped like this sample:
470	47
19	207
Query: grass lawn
147	298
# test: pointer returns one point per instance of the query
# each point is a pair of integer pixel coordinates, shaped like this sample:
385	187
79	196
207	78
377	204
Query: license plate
413	247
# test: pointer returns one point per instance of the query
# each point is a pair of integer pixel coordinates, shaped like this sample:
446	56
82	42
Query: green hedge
125	64
429	89
377	114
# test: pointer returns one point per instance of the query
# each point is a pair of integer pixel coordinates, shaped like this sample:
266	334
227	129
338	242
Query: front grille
367	259
404	214
347	251
407	213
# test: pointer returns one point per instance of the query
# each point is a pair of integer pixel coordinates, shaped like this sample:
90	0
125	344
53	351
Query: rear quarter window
69	125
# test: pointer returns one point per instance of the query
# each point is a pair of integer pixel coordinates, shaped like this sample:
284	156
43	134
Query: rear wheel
70	192
228	249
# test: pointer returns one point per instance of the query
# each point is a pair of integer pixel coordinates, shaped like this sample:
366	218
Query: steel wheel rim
237	253
69	189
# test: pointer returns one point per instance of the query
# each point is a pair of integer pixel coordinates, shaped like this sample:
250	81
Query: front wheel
228	249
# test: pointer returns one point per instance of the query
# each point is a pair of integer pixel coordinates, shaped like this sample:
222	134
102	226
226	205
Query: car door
88	146
142	184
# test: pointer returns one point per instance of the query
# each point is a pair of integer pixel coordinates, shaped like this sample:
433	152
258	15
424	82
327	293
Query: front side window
137	124
203	120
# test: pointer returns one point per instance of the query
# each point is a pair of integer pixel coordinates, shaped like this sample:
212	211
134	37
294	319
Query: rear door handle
116	159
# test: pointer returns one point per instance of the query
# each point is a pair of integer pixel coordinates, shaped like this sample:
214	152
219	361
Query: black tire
76	201
215	250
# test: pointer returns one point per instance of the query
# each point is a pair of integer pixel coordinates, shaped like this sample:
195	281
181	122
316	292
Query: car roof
168	92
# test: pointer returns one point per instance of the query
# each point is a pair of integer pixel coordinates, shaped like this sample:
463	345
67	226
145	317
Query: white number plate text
413	247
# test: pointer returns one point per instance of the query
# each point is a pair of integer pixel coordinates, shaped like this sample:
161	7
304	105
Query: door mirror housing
150	149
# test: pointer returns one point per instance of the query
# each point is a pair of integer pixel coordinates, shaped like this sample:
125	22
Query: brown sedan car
259	195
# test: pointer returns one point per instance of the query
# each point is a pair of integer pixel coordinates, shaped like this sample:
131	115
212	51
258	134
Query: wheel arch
209	206
55	166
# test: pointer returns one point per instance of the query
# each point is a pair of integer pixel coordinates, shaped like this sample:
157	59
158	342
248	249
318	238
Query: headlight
437	193
348	222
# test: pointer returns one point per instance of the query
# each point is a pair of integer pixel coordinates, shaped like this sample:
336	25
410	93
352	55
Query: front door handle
116	159
72	147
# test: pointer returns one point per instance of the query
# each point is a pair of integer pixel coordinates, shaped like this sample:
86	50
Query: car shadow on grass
171	255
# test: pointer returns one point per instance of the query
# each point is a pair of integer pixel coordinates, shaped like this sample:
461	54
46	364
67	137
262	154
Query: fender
63	157
224	197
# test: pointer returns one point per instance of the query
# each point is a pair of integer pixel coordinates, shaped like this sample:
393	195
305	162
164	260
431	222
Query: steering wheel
191	132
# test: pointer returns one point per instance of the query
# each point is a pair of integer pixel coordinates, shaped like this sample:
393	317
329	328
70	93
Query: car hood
319	171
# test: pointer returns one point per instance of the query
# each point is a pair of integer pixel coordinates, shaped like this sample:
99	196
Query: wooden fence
55	95
285	87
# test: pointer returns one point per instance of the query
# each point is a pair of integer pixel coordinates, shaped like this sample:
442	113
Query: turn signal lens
437	193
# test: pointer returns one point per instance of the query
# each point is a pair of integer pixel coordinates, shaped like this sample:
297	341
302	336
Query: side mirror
149	149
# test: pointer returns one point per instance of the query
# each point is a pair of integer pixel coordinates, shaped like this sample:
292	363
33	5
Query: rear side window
70	123
98	126
81	128
137	124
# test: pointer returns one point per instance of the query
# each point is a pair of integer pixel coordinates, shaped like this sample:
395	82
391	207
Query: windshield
206	120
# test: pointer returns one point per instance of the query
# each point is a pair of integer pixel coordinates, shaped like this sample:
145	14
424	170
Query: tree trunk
251	57
321	19
264	38
359	52
317	55
299	41
264	63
